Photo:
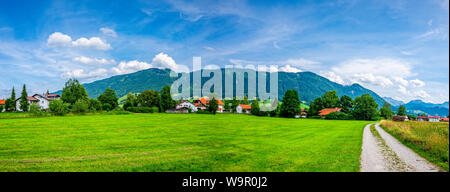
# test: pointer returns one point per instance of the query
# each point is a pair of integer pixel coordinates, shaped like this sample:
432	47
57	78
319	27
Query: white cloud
288	68
422	95
163	60
332	77
82	74
209	48
130	67
440	33
108	31
301	62
402	90
401	81
417	83
93	61
371	79
93	42
58	39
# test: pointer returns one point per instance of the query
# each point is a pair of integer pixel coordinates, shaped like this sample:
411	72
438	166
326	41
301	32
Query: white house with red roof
42	100
186	105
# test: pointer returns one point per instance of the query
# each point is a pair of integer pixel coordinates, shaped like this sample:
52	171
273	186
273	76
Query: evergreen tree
401	110
291	104
109	97
213	106
13	100
166	99
234	104
365	108
23	99
386	111
255	107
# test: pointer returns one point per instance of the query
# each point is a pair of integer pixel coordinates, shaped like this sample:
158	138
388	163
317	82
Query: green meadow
179	142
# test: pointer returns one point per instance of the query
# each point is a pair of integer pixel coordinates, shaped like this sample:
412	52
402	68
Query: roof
327	111
204	101
32	99
198	104
444	119
438	117
2	101
183	102
53	95
245	106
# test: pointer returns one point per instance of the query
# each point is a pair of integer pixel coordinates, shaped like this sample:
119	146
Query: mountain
309	85
393	102
418	106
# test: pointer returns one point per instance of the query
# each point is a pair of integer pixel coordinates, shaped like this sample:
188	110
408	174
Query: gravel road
383	153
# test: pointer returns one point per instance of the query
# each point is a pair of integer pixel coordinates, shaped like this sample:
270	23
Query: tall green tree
109	97
255	107
315	106
73	91
24	105
234	104
365	108
291	104
131	101
166	99
149	98
346	103
330	99
10	103
213	106
401	110
386	111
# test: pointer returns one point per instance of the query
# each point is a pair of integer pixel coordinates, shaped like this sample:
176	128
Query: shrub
203	112
57	107
140	109
35	110
118	111
315	117
95	105
106	107
80	106
155	109
339	116
1	108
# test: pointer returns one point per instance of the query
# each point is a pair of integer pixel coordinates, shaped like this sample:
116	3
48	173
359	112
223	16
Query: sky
398	49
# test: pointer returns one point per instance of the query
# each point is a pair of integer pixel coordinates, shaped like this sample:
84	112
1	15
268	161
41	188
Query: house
303	113
2	102
327	111
422	118
243	108
434	118
200	106
53	96
42	101
187	105
203	104
444	119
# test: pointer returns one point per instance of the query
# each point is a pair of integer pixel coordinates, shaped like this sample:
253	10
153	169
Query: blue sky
396	48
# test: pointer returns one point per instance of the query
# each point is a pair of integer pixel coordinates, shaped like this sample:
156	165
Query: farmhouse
422	118
2	102
186	105
42	101
444	119
327	111
202	104
243	108
434	118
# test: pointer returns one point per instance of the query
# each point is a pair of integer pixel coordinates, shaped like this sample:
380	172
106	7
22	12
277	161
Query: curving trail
383	153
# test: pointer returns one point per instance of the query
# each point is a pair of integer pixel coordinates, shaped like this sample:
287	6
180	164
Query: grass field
179	142
428	139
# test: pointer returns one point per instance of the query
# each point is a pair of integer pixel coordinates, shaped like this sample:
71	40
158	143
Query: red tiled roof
327	111
438	117
52	95
246	107
205	102
32	99
2	101
198	104
444	119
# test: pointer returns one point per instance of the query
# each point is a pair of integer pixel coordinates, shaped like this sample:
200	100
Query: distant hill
418	106
309	85
393	102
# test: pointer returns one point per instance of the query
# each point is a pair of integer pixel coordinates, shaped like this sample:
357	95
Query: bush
95	105
81	106
315	117
339	116
35	110
1	108
155	109
203	112
57	107
118	111
106	107
140	109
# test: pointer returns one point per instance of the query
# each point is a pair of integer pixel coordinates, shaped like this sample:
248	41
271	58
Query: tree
1	108
346	103
386	111
109	97
10	103
81	106
330	99
213	106
234	104
149	98
73	91
131	101
245	101
35	109
365	108
291	104
255	107
401	110
315	106
166	99
95	105
23	99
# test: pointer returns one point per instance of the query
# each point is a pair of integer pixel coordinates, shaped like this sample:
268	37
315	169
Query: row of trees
10	103
149	99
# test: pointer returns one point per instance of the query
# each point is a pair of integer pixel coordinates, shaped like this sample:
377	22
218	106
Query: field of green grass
179	142
428	139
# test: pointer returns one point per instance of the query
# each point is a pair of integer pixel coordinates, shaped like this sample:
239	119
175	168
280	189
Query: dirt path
383	153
